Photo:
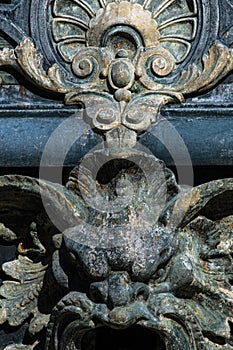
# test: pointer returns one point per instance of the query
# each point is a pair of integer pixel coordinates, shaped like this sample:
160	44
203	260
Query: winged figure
74	271
133	251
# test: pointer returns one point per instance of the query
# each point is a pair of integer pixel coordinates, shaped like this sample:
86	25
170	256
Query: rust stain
23	91
204	265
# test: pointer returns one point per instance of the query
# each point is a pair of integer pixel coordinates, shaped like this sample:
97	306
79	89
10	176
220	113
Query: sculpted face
119	274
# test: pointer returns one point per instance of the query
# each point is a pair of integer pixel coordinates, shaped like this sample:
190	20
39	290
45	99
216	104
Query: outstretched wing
204	264
33	215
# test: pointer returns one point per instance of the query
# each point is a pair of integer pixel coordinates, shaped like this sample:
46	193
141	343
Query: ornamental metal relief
126	58
128	250
170	275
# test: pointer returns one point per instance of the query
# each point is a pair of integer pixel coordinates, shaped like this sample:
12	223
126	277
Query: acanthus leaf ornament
214	66
27	60
130	46
197	78
21	294
131	50
31	62
160	262
7	57
167	282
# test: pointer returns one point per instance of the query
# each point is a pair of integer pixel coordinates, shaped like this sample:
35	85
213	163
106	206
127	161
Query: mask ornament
158	261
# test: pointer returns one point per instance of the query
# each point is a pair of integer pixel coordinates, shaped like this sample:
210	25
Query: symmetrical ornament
170	275
124	59
160	257
77	24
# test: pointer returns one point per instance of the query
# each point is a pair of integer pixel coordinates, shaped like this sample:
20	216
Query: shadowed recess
133	338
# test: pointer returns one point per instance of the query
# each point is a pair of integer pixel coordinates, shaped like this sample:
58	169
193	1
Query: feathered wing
204	219
29	290
214	302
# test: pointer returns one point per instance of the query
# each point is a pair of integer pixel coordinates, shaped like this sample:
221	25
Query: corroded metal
135	111
125	59
166	274
135	249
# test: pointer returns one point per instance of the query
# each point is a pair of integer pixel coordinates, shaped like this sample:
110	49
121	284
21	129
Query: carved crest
160	261
122	59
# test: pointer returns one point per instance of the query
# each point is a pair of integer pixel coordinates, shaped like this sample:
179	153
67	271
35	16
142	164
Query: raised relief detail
148	255
165	274
125	59
126	26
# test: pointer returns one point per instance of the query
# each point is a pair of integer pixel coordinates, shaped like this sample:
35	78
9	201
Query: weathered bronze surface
127	248
123	59
170	274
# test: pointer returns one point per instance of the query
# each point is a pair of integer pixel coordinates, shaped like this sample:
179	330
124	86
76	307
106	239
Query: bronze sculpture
158	257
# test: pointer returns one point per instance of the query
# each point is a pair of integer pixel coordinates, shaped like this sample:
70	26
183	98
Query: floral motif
126	64
171	261
166	23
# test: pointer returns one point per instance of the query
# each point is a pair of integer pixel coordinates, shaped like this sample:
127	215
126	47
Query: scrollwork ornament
83	67
154	61
141	112
121	75
124	50
167	280
100	110
119	62
91	64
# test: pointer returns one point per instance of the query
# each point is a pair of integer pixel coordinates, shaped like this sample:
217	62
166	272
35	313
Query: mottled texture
125	59
165	273
126	249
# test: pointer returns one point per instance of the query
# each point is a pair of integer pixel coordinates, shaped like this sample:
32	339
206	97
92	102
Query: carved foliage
21	294
31	63
109	113
119	51
215	65
170	273
167	275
